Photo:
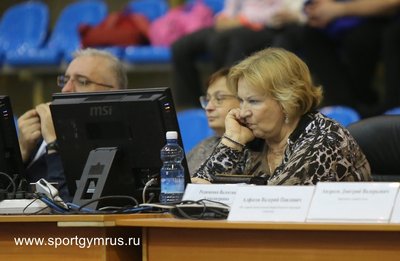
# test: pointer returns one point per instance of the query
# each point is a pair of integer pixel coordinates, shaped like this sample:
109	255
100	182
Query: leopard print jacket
201	153
319	149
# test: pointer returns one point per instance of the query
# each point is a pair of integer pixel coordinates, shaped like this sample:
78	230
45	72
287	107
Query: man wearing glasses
91	70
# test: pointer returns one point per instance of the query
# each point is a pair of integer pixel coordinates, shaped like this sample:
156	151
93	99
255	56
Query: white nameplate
224	193
396	210
366	202
271	203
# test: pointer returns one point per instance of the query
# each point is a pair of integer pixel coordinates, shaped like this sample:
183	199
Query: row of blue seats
24	38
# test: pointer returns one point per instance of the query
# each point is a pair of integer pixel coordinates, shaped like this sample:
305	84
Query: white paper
395	218
370	202
223	193
271	203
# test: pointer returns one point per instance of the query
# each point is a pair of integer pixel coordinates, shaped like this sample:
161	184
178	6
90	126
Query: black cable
122	210
36	212
23	211
11	183
73	209
22	188
205	209
212	201
115	209
49	202
109	197
211	209
151	197
188	216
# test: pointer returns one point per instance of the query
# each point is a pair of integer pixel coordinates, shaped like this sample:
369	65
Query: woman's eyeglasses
217	99
79	81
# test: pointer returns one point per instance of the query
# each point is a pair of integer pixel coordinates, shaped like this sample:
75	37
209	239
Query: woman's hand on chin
236	129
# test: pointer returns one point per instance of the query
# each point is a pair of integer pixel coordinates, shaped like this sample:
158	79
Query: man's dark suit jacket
49	167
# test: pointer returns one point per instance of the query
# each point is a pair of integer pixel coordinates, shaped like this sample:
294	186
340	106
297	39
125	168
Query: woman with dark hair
217	103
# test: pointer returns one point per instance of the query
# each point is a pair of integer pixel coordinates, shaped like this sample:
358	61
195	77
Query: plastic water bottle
172	172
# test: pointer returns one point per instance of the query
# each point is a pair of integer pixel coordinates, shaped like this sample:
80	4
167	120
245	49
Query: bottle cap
172	135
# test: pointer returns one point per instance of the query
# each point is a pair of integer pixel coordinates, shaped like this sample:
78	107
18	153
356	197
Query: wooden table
75	230
162	238
174	239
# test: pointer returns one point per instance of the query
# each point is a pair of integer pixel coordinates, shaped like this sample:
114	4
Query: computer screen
133	121
11	164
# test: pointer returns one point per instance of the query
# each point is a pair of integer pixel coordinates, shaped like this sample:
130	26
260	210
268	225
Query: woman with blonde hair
278	103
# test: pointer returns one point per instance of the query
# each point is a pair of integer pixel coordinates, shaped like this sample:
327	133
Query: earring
286	119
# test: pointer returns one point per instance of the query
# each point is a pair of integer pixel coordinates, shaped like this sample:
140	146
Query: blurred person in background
343	43
218	101
241	28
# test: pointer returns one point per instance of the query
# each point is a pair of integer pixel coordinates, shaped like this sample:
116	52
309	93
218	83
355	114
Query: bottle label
172	190
172	185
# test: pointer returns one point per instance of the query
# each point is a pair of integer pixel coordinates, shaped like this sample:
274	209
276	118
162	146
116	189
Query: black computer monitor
134	121
11	165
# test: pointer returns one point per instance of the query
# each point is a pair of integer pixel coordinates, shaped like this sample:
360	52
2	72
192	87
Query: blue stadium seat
65	37
194	127
117	51
393	111
152	9
23	27
215	5
147	54
342	114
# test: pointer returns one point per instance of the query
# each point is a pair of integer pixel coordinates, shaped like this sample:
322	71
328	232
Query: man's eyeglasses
217	99
79	81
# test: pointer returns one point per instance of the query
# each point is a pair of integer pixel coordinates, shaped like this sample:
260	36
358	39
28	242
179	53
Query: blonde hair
115	64
283	76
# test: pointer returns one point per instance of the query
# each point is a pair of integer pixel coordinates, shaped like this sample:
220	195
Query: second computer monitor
11	165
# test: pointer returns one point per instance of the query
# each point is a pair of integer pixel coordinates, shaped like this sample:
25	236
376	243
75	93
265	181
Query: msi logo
96	111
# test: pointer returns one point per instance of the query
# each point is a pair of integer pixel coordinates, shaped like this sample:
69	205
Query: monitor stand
96	174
